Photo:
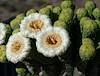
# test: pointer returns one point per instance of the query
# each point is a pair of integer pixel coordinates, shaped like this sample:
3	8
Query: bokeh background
10	8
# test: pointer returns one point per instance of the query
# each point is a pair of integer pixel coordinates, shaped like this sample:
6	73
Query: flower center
52	40
35	25
16	45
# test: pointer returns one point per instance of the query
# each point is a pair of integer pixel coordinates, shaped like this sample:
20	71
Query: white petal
3	32
51	52
24	50
35	16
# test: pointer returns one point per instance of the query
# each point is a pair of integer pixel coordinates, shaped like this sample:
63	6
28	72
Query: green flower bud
87	41
66	4
57	10
16	31
88	28
83	19
45	11
68	10
81	12
2	53
82	22
59	23
65	18
66	15
96	13
20	16
15	22
30	12
89	6
50	7
86	51
21	71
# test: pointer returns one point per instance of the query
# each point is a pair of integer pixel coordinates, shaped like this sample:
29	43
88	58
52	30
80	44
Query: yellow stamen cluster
16	45
35	25
52	40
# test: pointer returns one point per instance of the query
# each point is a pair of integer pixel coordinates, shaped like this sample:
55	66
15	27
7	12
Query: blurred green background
10	8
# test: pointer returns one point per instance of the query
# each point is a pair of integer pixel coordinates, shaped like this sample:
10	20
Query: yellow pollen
52	40
35	25
16	46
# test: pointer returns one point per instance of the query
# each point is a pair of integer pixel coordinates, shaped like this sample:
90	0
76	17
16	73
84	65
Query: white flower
34	24
3	32
53	41
17	48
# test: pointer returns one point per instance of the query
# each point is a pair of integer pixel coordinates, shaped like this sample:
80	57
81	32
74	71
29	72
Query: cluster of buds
46	28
